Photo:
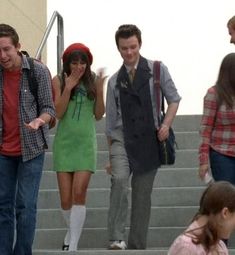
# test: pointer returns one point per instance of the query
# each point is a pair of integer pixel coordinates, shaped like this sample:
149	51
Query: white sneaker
117	245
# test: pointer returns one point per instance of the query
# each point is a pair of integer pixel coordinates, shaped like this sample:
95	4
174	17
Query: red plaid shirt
217	128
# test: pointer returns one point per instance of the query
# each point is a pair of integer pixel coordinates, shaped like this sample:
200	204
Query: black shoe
65	247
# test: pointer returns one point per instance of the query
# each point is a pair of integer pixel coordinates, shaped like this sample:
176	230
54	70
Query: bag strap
33	83
156	73
33	87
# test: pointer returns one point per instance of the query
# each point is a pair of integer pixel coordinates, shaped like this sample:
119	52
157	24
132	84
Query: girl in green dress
79	102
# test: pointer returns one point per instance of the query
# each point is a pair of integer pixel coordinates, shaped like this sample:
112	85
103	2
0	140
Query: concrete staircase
174	199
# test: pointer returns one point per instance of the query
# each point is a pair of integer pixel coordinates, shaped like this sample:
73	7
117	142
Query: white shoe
117	245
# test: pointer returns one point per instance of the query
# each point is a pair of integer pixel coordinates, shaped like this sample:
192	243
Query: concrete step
166	177
97	217
156	251
179	196
184	140
98	238
185	123
184	159
93	238
182	123
186	129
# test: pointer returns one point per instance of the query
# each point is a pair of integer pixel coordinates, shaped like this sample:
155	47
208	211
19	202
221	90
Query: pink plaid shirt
183	245
217	128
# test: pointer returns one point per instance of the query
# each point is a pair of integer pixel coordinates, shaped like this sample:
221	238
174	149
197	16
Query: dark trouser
140	209
141	185
222	167
19	185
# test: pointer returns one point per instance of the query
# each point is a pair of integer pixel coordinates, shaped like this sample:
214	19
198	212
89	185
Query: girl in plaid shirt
218	125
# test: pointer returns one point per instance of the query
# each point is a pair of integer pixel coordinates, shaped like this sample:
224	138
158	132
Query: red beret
79	47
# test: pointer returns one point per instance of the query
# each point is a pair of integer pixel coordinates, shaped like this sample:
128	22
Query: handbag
166	147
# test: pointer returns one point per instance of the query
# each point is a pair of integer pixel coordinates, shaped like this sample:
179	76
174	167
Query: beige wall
29	18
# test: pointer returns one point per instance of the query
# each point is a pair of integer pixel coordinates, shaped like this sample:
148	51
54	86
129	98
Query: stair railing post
60	38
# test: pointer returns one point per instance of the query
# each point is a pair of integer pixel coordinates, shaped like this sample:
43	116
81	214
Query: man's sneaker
117	245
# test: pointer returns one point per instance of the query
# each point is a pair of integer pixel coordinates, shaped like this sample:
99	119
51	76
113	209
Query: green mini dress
75	145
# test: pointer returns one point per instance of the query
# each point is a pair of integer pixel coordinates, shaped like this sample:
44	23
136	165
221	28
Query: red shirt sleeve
207	124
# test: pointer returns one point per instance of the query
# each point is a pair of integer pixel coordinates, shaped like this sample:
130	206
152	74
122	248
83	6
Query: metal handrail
60	38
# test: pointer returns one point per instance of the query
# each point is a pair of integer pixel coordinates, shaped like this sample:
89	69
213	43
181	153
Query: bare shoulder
56	81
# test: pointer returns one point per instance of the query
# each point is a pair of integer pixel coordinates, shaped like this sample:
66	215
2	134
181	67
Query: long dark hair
88	77
217	196
225	84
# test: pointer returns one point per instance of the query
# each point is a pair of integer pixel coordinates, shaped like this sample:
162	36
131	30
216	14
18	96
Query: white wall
190	37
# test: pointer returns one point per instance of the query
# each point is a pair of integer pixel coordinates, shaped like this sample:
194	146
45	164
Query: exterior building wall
29	18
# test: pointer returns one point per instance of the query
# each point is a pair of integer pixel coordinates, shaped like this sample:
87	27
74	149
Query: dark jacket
137	116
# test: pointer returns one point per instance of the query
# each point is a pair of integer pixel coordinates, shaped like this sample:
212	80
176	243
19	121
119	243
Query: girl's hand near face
77	68
73	79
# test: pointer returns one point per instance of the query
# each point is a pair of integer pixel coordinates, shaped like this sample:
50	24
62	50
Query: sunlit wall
29	18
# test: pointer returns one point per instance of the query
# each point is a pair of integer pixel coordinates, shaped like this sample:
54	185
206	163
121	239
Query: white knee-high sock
77	219
66	215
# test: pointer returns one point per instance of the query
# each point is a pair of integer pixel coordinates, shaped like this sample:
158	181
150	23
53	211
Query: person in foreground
131	129
231	29
215	220
23	135
217	130
79	101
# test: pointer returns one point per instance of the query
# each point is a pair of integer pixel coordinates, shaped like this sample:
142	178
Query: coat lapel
142	75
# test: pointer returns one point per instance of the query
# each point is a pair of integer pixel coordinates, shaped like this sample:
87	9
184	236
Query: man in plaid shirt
22	143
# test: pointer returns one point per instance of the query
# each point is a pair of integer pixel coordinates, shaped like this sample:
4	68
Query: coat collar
142	76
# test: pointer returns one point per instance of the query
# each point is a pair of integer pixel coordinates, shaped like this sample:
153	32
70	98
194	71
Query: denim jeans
222	167
19	185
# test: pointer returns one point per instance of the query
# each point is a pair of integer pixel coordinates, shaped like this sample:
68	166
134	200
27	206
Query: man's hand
35	124
163	132
108	168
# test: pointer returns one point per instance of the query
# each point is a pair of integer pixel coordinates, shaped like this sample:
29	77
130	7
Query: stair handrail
60	38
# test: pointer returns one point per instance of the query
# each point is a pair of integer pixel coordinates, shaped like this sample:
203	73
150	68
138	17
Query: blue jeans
222	167
19	185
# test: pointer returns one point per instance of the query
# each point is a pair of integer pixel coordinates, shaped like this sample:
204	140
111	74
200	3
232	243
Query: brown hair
225	84
8	31
231	23
126	31
217	196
